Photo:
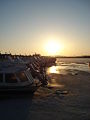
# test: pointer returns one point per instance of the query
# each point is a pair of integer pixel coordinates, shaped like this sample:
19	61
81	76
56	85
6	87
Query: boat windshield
10	78
1	77
22	76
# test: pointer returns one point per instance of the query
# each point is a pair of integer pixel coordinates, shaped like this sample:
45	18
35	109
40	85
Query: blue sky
26	25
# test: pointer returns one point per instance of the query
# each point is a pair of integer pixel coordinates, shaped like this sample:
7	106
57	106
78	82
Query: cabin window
10	78
22	77
1	77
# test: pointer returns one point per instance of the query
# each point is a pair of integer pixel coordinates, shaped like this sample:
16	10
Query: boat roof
10	67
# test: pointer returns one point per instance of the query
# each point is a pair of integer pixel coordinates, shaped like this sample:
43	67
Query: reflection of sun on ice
52	48
53	69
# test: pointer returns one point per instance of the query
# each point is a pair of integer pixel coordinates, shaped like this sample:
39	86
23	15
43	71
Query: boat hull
19	89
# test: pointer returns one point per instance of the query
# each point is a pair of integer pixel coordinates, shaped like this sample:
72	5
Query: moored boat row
20	74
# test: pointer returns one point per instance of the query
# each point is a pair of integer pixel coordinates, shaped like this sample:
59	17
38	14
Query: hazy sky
27	25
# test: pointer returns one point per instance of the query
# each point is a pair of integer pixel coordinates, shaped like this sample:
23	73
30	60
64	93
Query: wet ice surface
66	97
70	100
63	68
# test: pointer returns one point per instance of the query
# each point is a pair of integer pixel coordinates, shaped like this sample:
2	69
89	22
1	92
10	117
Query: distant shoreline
58	56
73	57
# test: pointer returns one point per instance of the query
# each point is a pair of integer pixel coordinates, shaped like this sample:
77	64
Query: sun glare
52	47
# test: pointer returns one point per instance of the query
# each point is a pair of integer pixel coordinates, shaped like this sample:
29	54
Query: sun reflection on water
54	82
53	69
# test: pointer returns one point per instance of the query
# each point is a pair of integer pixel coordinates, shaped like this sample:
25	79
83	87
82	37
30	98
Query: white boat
16	77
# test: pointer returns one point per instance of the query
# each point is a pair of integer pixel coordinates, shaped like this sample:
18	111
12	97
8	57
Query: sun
52	47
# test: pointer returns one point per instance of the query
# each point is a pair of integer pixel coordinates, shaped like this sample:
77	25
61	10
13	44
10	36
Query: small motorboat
16	77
